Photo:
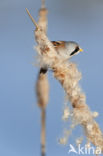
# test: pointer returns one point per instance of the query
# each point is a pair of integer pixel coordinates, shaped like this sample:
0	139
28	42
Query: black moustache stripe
75	51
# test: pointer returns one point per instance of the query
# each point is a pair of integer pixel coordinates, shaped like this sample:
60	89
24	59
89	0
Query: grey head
73	48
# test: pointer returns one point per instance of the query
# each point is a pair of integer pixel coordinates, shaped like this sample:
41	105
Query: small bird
64	49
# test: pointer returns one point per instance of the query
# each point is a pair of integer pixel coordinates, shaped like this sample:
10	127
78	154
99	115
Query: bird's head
73	48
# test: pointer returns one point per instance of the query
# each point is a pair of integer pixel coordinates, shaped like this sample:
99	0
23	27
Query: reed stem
43	131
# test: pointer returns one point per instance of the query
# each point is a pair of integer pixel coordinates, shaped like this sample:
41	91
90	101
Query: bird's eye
75	51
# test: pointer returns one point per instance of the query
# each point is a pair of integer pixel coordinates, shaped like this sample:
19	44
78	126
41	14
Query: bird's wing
58	44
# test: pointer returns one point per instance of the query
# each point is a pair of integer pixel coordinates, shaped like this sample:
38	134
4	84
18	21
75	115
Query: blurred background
81	21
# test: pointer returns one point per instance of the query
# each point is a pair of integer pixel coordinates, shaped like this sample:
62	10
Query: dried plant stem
42	85
68	75
42	96
36	25
42	88
43	4
43	131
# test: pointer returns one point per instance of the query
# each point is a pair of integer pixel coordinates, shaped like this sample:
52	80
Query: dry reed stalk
43	132
42	85
68	75
43	4
42	89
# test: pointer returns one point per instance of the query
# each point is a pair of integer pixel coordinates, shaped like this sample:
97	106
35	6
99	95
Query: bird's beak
81	50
